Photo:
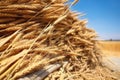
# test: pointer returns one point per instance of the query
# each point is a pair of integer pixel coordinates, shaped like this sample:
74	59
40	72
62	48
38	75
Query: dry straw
38	33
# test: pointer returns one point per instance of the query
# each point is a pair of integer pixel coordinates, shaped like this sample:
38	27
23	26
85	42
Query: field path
112	62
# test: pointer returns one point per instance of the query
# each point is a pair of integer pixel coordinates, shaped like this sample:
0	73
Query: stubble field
111	48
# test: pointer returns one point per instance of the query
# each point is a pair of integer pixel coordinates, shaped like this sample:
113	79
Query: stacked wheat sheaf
38	33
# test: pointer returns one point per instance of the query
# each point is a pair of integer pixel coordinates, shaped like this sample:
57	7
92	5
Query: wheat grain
4	20
4	40
23	6
10	29
23	1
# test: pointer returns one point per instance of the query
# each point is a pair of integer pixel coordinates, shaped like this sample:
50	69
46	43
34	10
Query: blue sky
103	16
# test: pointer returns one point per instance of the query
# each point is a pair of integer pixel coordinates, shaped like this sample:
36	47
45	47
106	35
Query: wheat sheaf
38	33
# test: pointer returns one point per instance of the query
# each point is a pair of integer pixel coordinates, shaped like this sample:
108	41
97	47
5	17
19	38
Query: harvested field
110	47
111	53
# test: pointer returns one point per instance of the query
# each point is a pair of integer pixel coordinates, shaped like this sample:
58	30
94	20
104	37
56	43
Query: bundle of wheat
37	33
